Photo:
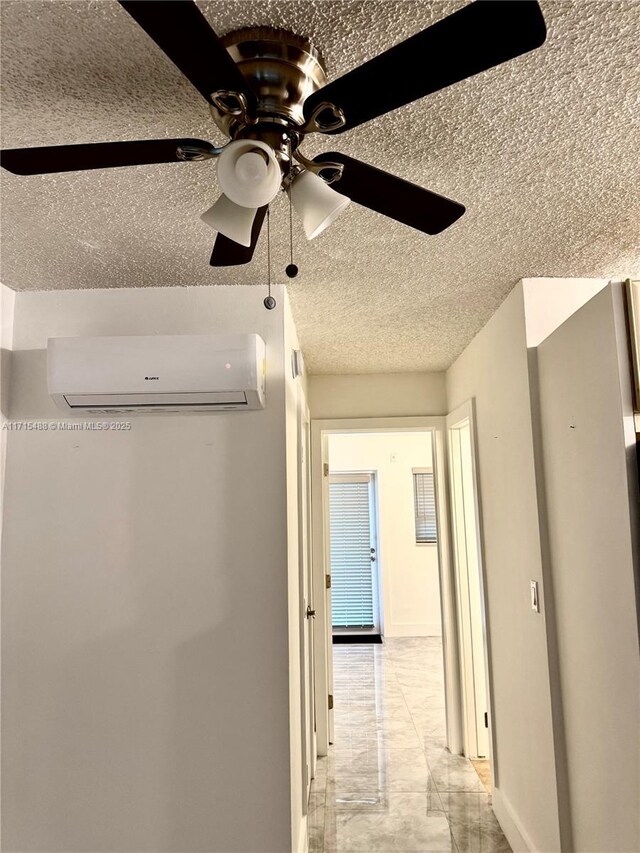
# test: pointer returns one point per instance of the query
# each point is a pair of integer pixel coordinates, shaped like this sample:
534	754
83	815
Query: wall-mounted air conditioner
174	373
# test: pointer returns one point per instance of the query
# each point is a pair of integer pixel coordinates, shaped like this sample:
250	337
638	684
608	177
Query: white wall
493	369
145	617
7	306
409	572
592	503
548	302
558	486
377	395
7	310
295	395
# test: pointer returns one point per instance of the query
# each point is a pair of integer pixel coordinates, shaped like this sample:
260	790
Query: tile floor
483	769
388	783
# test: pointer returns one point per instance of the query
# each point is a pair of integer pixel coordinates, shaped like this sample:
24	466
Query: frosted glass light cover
249	173
251	167
316	203
232	220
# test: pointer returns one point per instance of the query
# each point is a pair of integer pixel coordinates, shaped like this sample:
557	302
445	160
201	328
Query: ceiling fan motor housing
282	69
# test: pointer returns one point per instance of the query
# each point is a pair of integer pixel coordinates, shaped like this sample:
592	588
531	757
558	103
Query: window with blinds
352	592
424	496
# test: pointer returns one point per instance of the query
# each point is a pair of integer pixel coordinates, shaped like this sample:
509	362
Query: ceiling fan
267	89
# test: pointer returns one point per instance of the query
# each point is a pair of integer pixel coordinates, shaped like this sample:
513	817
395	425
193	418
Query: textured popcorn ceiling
544	152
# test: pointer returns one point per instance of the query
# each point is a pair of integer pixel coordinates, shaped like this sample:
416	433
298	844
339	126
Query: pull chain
269	301
291	269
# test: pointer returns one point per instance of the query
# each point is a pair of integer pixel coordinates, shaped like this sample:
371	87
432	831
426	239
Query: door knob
311	614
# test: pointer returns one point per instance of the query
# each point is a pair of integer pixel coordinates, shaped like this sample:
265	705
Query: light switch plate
535	600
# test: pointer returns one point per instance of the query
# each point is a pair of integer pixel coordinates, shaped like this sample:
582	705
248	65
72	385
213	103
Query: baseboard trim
302	845
511	826
413	629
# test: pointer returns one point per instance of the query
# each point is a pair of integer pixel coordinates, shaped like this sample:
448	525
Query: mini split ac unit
175	373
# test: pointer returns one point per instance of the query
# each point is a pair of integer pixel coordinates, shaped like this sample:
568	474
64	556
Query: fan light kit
316	203
232	220
267	90
249	173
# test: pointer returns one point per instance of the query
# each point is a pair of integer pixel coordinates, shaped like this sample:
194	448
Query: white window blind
424	506
351	567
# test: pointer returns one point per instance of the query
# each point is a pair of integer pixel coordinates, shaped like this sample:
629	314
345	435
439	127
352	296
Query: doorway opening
396	720
382	532
436	512
382	560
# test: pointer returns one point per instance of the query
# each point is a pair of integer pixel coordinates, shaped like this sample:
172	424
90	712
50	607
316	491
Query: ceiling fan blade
97	155
227	253
392	196
473	39
180	29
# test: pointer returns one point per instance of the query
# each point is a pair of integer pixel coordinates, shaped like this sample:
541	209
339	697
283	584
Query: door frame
306	600
436	428
465	414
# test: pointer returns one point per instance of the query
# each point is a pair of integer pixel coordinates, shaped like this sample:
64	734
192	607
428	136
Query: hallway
388	783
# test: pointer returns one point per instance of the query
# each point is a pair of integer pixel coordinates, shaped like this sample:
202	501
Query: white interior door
469	587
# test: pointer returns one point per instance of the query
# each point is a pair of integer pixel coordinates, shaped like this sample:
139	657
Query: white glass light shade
249	173
232	220
316	203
